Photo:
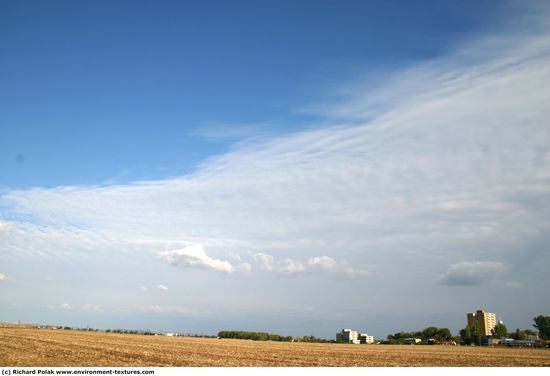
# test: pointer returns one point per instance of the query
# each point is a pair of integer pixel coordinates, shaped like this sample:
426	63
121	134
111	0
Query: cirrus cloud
446	160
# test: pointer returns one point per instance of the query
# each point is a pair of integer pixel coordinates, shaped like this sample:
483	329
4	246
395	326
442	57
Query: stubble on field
66	348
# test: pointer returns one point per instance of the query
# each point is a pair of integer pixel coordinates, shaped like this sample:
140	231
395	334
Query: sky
289	167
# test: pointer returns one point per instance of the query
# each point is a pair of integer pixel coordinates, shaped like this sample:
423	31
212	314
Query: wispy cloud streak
443	157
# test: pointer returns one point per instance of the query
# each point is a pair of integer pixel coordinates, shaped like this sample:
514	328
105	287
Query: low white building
347	336
364	338
351	336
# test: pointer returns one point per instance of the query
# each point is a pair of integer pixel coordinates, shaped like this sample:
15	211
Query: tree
529	332
523	333
500	330
443	334
472	334
542	323
429	332
518	335
466	335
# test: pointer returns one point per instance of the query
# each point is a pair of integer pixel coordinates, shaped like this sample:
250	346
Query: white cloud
90	308
244	267
471	273
292	266
318	264
66	306
329	265
5	226
195	256
323	262
2	276
156	287
266	261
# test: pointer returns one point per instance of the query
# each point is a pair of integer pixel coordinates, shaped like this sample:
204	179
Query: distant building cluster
484	324
351	336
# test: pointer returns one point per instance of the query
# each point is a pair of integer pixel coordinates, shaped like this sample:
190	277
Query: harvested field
23	346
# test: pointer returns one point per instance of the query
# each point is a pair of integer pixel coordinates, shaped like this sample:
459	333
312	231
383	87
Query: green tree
529	332
542	323
439	334
429	332
443	334
472	334
255	336
466	335
518	335
500	330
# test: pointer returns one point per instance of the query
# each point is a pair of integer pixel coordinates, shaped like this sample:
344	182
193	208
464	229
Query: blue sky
294	167
113	90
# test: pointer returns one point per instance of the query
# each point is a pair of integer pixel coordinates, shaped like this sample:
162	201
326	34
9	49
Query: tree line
439	335
255	336
263	336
